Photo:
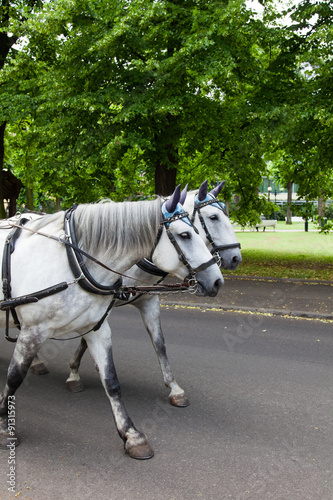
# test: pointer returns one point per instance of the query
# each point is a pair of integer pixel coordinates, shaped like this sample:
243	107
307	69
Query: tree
301	133
127	98
13	16
141	90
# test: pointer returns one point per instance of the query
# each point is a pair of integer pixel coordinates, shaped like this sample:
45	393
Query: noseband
215	248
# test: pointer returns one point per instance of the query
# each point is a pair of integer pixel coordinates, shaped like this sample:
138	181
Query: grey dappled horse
215	229
119	234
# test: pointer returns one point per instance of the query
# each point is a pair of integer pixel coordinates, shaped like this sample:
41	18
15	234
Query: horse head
181	251
215	228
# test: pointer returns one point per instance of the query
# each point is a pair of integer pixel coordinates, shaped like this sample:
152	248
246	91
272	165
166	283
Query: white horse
216	230
120	234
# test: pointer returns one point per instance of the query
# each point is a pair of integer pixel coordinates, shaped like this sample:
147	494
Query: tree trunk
321	207
30	198
165	180
2	153
167	159
289	201
227	208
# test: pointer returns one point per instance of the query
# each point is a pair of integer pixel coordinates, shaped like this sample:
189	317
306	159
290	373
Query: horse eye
214	217
185	235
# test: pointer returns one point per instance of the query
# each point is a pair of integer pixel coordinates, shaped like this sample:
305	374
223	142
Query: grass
286	254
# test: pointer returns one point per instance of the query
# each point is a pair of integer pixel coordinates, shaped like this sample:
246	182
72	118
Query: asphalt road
259	425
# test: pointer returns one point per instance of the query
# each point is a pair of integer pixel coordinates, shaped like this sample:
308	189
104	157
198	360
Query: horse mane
112	228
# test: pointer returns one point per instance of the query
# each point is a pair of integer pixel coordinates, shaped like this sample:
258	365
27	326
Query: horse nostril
217	285
235	259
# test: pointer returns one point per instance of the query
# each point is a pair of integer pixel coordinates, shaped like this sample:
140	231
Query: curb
281	280
250	310
258	310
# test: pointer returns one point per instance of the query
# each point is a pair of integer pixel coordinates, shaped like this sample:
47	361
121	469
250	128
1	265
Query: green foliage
307	210
301	135
280	212
112	99
126	89
329	211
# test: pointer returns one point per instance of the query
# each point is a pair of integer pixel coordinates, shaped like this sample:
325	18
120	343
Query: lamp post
269	189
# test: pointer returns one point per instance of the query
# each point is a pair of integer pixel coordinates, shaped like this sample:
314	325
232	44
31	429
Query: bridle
198	205
147	266
180	214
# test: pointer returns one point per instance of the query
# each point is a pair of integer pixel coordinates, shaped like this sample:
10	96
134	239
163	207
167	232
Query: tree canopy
113	98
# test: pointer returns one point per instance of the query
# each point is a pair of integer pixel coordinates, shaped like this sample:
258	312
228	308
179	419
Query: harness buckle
193	284
217	258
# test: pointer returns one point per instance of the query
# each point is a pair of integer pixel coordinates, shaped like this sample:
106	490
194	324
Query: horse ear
173	201
183	195
216	191
202	191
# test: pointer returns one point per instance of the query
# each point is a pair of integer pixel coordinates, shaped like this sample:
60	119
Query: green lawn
286	253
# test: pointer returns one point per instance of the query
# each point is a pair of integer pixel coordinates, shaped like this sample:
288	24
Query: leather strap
79	269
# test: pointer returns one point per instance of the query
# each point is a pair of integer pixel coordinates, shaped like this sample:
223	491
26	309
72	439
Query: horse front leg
25	350
149	307
74	383
38	367
100	348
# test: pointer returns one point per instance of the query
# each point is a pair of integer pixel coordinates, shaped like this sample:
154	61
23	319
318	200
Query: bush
281	212
329	211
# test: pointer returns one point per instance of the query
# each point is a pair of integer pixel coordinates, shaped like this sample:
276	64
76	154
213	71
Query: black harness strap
9	303
197	208
6	278
147	266
94	328
77	265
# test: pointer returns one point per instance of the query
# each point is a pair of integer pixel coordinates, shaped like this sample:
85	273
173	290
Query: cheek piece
214	202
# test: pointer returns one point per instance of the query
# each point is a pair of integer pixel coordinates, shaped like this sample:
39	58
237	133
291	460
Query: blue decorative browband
178	214
209	201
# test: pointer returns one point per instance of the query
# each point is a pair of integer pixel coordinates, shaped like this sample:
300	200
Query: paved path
259	424
303	298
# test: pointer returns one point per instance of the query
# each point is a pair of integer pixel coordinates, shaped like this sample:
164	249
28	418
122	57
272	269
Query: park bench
266	223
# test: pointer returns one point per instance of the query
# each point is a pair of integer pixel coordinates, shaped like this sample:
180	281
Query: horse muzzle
212	291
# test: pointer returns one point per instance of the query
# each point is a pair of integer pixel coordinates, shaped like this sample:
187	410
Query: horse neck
119	234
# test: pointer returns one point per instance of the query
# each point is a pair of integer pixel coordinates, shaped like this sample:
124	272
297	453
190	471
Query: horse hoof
142	451
39	369
75	386
179	400
7	441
